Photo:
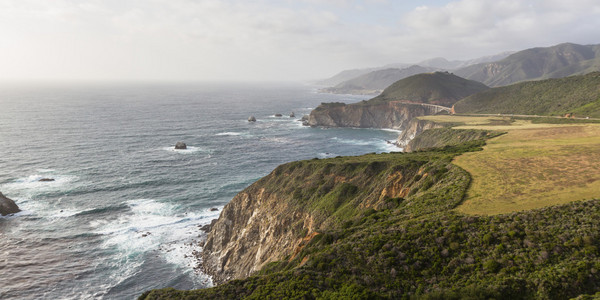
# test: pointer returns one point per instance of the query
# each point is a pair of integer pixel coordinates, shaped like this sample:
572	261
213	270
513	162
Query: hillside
438	63
578	95
382	227
439	88
374	82
536	64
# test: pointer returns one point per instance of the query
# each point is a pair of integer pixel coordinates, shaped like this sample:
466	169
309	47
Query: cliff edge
370	114
276	217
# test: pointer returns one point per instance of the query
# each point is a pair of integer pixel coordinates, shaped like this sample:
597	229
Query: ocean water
123	213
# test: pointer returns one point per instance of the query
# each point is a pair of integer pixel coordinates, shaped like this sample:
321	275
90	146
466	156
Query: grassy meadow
531	166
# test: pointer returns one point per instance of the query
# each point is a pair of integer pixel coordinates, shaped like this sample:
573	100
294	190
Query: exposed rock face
382	114
414	128
277	216
7	206
180	145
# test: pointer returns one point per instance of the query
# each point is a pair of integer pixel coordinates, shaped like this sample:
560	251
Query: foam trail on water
153	226
189	150
228	133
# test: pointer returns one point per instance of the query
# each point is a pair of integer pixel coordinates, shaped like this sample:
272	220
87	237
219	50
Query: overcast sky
269	40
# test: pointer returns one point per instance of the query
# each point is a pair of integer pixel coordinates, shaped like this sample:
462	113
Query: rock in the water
304	120
278	115
46	179
251	119
292	115
7	206
180	145
214	209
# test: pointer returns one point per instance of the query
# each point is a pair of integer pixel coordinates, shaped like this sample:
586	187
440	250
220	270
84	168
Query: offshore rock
251	119
7	206
292	115
278	115
46	179
180	145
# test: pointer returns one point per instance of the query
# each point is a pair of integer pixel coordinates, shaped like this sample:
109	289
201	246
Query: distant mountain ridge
434	64
536	64
374	82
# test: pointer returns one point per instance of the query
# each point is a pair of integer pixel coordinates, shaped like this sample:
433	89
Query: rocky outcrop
274	218
371	114
7	206
414	128
180	146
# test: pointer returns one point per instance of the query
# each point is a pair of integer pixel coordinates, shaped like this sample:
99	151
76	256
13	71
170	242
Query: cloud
262	39
484	25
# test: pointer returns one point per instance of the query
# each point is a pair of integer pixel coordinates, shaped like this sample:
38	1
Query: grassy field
532	166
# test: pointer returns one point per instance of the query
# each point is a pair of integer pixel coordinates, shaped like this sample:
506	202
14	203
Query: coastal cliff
370	114
276	217
414	128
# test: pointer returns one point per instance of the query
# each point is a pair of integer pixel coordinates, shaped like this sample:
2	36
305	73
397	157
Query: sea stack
180	146
7	206
252	119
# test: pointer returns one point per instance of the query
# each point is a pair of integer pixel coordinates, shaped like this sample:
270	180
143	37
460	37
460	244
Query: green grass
533	167
552	97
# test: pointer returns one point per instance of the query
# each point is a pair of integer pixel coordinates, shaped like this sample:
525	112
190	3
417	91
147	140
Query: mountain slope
439	88
536	64
375	81
433	64
578	95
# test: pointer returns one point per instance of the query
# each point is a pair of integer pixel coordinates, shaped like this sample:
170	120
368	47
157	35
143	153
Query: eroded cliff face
414	128
274	218
381	114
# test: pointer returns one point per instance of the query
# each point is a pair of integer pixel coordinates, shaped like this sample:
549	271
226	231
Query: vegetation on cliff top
417	247
532	167
577	95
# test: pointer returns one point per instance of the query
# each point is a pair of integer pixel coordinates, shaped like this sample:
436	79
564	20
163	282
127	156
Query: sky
268	40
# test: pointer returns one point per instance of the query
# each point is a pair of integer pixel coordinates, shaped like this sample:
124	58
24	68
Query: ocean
124	211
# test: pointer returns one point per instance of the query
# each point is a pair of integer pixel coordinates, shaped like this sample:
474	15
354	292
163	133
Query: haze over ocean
123	213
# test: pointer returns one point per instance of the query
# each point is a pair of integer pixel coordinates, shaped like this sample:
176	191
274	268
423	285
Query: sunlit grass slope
532	166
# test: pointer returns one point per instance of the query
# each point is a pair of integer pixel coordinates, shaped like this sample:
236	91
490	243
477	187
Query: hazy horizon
239	41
